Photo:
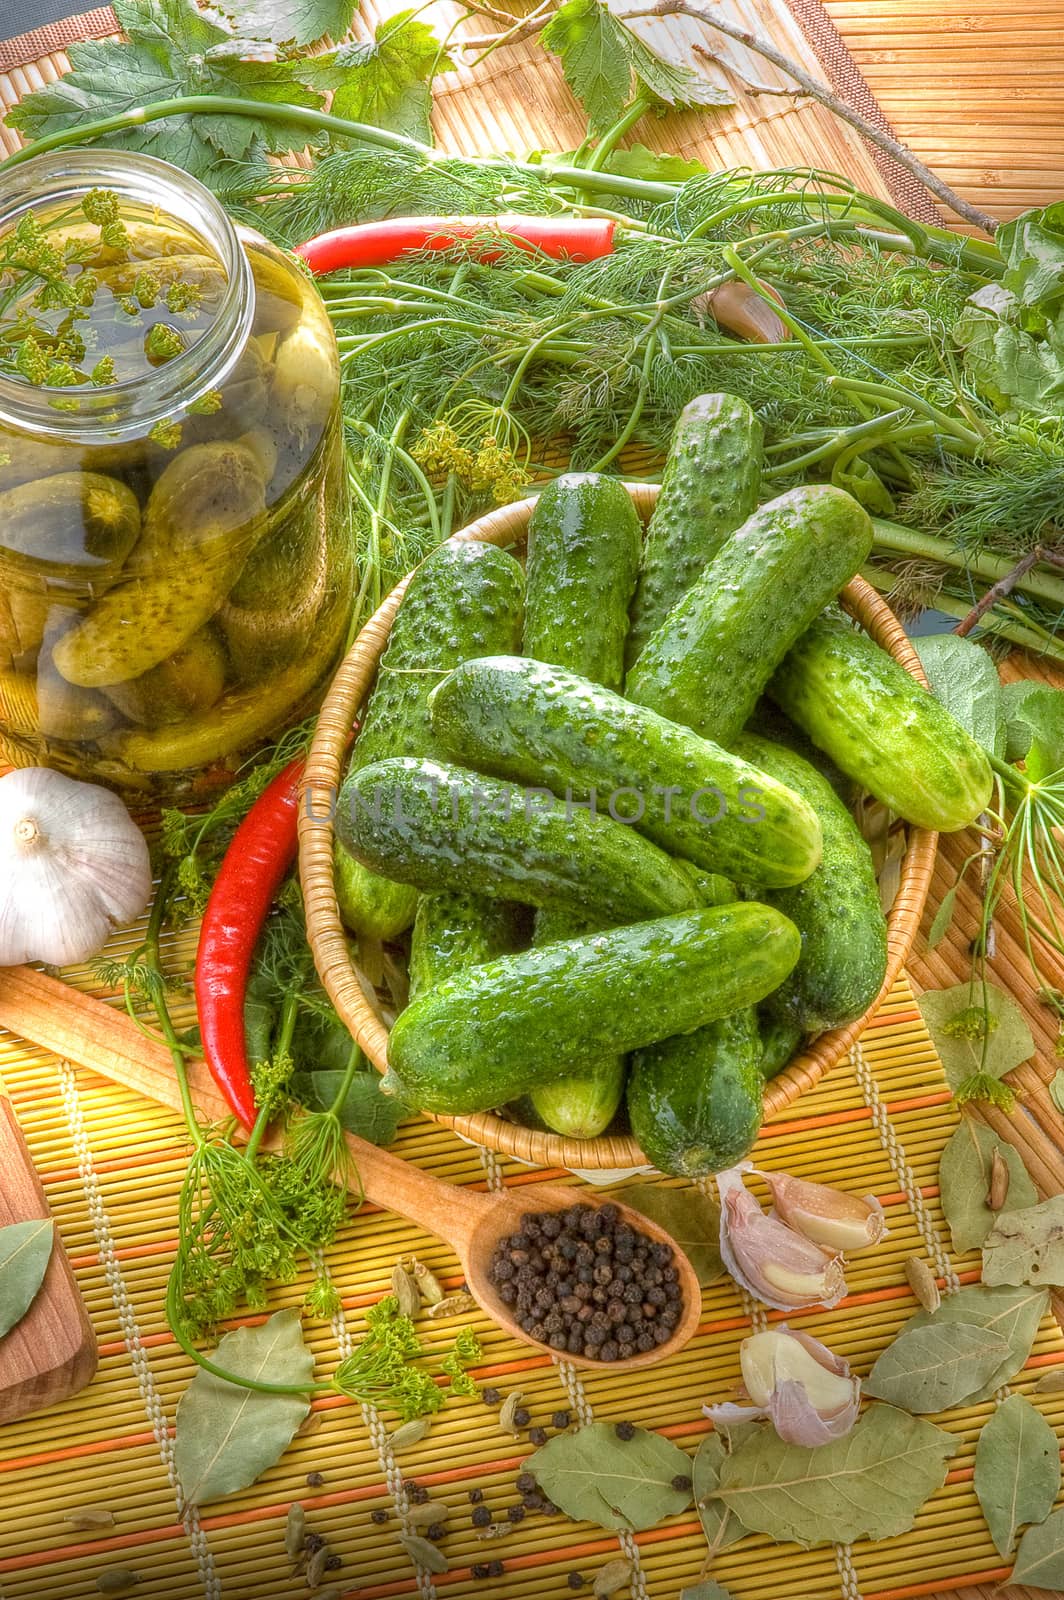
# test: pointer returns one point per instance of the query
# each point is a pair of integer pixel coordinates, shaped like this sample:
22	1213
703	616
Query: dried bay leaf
705	1591
594	1476
930	1369
1017	1470
1040	1558
956	1029
719	1525
1056	1089
964	1180
870	1484
25	1250
691	1217
1013	1312
227	1436
1026	1246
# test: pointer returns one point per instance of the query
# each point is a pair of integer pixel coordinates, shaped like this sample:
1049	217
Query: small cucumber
695	1101
463	600
442	827
584	540
717	648
779	1041
495	1031
881	728
540	725
582	1104
709	486
454	930
836	910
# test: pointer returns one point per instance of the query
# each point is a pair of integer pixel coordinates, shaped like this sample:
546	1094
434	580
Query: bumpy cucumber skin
442	827
454	930
709	486
717	648
584	542
836	910
495	1031
465	598
695	1101
582	1104
780	1040
881	728
540	725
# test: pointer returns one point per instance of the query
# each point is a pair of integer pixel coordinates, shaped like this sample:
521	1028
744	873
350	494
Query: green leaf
720	1526
1016	367
596	1477
227	1436
930	1369
964	1181
388	82
1015	1313
691	1217
677	84
705	1591
594	55
1027	1246
25	1250
365	1111
943	917
640	162
1017	1470
1056	1089
1040	1558
955	1020
1034	717
965	679
870	1484
1033	247
297	22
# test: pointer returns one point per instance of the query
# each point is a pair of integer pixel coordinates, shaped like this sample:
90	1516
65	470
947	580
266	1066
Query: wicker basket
353	996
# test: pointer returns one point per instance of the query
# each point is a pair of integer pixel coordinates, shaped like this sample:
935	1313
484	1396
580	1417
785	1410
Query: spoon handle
451	1211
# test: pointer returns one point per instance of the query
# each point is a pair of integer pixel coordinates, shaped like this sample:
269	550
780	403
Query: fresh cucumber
779	1041
455	929
717	648
442	827
709	486
582	1104
836	910
584	540
495	1031
881	728
465	599
695	1101
540	725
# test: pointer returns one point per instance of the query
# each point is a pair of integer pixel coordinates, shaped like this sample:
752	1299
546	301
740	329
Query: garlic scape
805	1390
769	1259
73	866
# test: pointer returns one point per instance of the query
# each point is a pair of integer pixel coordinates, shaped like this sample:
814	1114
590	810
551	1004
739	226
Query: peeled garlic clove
830	1217
805	1390
773	1262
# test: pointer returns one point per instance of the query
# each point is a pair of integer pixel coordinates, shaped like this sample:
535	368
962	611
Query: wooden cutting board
51	1353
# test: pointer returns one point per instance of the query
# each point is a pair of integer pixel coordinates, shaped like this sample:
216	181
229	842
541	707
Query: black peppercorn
576	1580
682	1482
480	1569
378	1516
515	1513
526	1483
333	1562
481	1517
624	1430
609	1351
434	1531
314	1480
522	1417
312	1543
416	1493
537	1436
476	1496
495	1569
549	1509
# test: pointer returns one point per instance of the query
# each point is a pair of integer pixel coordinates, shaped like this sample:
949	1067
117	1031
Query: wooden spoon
100	1037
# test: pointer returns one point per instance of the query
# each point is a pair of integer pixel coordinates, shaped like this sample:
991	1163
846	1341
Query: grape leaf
298	22
25	1251
366	1110
954	1019
591	46
965	679
619	1483
1034	721
1015	1313
692	1219
930	1369
870	1484
1017	1470
1033	247
712	1513
228	1436
1027	1246
964	1180
387	82
672	81
1040	1558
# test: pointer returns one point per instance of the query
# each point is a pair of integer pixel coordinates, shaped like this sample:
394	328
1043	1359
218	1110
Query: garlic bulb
73	865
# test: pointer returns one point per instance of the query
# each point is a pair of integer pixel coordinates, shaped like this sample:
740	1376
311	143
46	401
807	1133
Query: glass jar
175	562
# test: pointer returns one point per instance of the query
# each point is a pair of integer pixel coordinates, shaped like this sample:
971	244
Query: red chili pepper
260	853
379	244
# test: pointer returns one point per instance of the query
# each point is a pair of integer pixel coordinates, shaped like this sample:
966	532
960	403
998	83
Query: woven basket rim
353	996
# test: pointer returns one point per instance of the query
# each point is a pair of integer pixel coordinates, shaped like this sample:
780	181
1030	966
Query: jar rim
128	410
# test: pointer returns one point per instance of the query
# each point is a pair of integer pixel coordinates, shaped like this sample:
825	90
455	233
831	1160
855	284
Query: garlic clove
829	1217
806	1391
739	309
769	1259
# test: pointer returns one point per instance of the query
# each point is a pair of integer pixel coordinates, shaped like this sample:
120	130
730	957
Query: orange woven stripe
939	1586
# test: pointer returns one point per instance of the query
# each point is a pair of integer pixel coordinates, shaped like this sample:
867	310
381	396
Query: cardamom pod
1050	1382
999	1181
329	1594
295	1528
922	1283
410	1433
311	1424
428	1284
452	1305
422	1553
424	1516
116	1580
316	1566
87	1517
507	1412
615	1575
405	1291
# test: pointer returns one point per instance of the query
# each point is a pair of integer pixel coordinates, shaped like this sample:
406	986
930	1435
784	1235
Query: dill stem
900	540
613	136
346	1081
173	1317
